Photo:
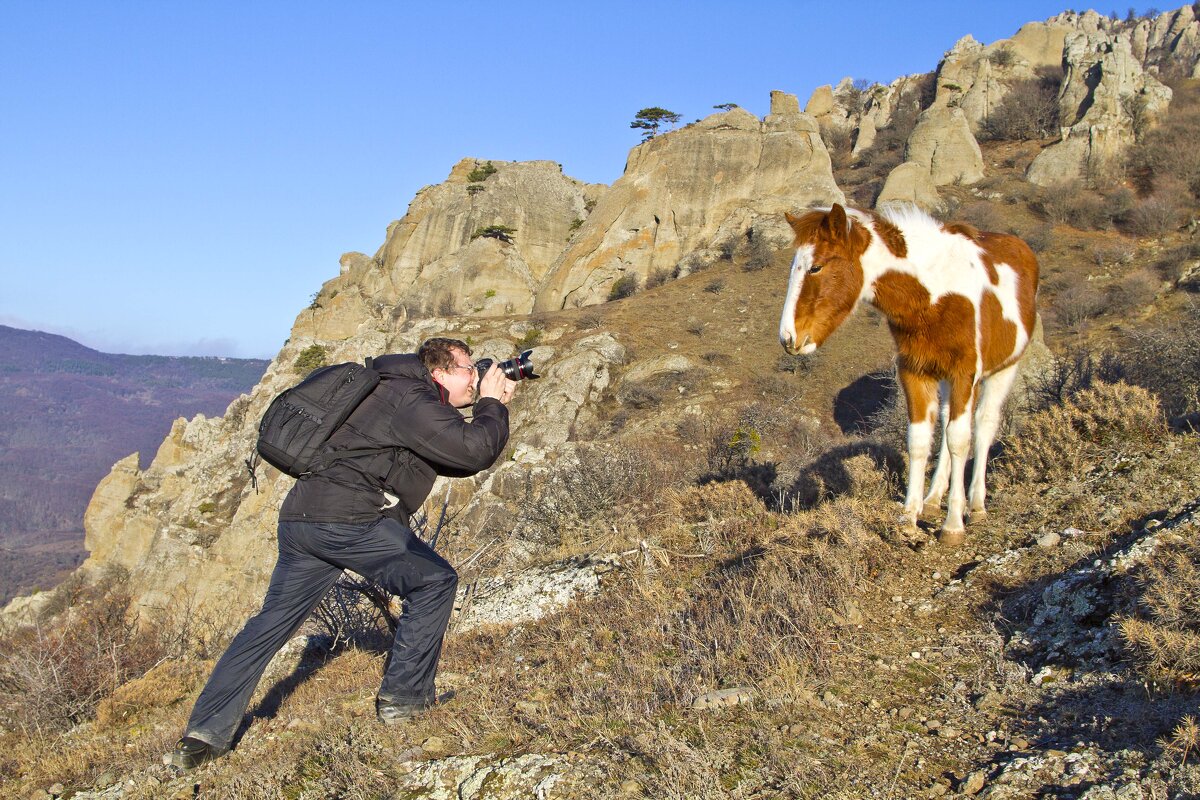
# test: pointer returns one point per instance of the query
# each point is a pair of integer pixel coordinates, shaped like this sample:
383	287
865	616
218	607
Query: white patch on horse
787	322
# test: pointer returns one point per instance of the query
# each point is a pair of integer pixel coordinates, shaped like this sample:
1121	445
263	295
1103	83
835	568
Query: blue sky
180	178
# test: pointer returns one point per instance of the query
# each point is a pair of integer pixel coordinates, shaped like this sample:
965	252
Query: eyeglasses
467	367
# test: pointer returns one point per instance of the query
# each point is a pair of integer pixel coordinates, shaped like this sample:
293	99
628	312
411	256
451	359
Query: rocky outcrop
1106	100
435	262
943	144
911	183
681	189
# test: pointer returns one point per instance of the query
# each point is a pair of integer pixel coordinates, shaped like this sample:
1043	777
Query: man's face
459	380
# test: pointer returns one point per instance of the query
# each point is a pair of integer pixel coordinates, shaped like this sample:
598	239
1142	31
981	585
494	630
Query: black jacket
407	410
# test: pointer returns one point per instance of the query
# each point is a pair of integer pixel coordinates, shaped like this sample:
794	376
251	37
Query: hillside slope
67	412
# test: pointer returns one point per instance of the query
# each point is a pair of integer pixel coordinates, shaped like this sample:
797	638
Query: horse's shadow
833	473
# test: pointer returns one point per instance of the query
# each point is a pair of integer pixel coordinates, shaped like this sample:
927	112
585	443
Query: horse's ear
836	225
793	221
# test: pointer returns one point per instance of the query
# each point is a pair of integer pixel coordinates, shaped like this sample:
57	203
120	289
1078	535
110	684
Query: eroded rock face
434	263
911	183
680	188
942	143
1105	101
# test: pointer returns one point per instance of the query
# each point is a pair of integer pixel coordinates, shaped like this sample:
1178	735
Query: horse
961	307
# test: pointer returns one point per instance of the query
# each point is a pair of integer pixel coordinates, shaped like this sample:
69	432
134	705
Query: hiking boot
396	712
190	753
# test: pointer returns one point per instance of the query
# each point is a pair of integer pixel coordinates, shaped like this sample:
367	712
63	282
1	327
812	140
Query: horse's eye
814	269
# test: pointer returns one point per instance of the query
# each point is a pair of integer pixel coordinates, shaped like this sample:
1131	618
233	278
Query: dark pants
312	556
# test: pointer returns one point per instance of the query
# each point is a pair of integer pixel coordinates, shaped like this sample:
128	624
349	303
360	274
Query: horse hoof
976	515
951	538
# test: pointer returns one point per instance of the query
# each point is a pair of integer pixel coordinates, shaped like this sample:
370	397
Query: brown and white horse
961	307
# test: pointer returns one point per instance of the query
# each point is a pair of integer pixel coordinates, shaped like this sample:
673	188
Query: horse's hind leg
993	391
941	474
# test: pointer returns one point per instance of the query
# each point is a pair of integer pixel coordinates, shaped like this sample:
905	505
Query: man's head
449	362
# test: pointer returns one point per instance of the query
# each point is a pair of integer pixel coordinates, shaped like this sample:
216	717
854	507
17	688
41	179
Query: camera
516	369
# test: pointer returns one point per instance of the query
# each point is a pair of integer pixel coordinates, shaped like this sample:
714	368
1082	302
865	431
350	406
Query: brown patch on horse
920	392
997	335
962	229
1002	248
805	226
990	266
934	340
890	235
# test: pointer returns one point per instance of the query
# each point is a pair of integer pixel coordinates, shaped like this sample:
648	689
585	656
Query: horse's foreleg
987	421
941	473
921	395
958	441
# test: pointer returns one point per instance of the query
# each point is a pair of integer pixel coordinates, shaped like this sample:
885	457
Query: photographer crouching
352	513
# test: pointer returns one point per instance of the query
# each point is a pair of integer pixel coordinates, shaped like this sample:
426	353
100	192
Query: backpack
301	419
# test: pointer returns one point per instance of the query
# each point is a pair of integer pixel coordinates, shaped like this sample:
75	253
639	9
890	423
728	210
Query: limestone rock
432	262
681	187
1106	97
942	143
911	183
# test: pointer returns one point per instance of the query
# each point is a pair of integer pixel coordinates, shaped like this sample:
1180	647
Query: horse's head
826	278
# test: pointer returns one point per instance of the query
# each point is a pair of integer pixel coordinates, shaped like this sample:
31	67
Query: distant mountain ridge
67	413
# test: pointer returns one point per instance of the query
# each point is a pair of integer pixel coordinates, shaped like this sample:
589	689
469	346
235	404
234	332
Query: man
353	514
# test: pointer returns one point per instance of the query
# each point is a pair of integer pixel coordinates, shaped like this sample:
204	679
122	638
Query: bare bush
580	501
1157	214
1077	300
1028	111
1071	203
985	215
1168	153
1133	293
657	277
54	674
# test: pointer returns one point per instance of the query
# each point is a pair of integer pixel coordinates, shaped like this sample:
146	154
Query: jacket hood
402	365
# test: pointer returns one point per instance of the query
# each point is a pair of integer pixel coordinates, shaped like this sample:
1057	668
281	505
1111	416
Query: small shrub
1028	111
1073	204
1163	639
590	321
207	507
715	286
1096	424
1077	300
1157	214
761	255
657	277
985	215
501	233
311	358
54	674
529	340
623	287
481	173
695	326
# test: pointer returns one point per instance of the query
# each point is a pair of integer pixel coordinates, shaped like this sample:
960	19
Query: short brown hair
435	353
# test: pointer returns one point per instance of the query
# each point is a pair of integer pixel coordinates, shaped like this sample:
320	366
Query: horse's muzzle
806	346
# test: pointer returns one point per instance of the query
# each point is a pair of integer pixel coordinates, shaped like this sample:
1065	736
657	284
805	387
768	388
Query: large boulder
911	183
943	144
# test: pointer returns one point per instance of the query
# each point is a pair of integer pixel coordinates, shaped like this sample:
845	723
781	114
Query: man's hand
496	384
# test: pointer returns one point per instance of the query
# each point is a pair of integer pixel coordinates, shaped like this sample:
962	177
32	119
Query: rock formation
687	189
1106	100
